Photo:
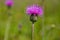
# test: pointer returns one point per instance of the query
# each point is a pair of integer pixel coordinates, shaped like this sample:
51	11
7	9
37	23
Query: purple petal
34	9
9	2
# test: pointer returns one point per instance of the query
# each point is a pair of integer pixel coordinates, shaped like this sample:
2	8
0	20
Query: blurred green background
49	25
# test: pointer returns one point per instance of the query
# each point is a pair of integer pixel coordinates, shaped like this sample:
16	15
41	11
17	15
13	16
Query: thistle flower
9	3
34	9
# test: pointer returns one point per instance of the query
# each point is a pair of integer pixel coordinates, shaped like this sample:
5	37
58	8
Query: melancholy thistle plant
34	11
9	3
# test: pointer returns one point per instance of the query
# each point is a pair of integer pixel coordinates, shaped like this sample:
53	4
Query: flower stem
7	26
7	29
32	31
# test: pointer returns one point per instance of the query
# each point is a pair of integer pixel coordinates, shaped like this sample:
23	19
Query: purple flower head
34	9
9	2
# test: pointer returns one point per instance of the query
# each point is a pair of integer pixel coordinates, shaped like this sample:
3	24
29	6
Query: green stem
32	31
7	29
7	26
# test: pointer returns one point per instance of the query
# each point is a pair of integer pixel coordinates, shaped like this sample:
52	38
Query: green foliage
51	16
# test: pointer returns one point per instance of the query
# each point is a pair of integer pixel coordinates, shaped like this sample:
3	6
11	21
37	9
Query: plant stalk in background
9	4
